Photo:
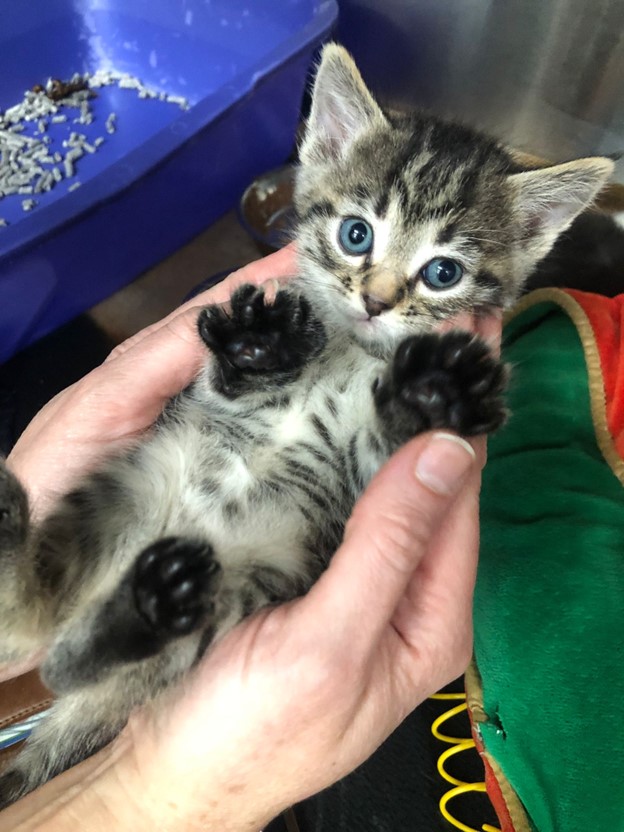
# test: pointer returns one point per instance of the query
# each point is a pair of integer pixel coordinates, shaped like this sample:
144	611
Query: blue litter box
165	173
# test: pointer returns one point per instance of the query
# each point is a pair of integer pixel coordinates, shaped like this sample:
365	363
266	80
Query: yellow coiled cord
457	745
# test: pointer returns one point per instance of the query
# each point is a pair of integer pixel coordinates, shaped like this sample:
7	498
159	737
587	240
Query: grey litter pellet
3	223
129	83
71	157
22	157
74	186
29	204
45	182
179	100
75	153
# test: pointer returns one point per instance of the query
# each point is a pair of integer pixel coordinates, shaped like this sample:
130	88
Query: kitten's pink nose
374	305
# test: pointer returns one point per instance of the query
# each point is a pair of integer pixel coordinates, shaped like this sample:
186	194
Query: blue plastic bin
166	173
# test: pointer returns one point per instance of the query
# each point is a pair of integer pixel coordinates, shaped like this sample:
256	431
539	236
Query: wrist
185	791
89	797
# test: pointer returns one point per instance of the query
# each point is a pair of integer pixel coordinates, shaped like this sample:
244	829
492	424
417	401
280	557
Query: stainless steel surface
544	75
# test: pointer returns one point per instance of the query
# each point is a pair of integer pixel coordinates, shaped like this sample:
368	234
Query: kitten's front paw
260	336
174	584
13	511
447	381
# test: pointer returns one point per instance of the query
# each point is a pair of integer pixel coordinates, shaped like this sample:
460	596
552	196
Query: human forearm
82	798
108	793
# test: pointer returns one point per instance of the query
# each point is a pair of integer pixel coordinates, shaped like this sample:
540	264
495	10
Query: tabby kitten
240	494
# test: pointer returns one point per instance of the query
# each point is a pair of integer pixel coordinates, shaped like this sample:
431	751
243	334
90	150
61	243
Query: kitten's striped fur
245	484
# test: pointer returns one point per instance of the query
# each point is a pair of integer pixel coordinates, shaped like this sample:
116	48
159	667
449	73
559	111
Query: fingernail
444	462
271	288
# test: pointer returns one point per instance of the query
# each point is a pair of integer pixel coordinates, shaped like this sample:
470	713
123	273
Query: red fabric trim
606	317
496	797
492	785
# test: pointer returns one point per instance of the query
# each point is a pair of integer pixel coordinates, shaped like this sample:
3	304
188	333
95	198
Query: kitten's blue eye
356	236
442	273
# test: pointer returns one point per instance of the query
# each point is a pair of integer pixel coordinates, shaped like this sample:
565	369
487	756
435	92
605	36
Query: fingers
487	324
153	369
490	327
281	264
434	616
389	535
166	356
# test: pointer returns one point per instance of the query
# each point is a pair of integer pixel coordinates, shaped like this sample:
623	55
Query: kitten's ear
548	199
342	107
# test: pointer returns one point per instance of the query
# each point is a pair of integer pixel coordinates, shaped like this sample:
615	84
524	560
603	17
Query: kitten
240	494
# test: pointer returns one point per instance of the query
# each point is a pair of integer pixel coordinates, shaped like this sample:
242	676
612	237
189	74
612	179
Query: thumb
389	533
155	366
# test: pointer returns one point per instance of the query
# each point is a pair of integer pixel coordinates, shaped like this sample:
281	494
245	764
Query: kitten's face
401	235
407	220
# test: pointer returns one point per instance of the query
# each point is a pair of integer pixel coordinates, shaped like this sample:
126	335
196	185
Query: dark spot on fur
486	280
374	444
446	234
324	209
322	431
331	406
209	485
232	509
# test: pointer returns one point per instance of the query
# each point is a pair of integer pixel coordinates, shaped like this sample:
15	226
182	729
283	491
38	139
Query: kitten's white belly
173	482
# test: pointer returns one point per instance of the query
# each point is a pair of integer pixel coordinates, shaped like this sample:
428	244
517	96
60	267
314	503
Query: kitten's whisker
475	239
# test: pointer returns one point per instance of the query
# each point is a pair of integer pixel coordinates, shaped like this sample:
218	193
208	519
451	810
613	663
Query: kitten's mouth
359	317
364	321
368	328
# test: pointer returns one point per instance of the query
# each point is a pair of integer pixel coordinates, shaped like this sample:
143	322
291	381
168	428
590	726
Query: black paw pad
260	336
450	381
173	584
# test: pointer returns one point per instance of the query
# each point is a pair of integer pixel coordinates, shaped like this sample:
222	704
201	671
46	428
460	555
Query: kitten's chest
316	416
329	403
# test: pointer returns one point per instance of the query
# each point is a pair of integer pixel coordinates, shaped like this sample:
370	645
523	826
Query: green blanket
549	604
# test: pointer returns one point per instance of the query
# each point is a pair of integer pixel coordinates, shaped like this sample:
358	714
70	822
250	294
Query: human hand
275	670
122	398
297	696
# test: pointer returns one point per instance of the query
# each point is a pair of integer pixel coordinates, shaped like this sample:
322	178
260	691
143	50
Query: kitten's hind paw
13	785
446	381
261	338
174	584
13	511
